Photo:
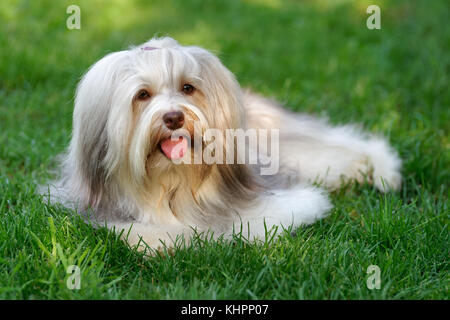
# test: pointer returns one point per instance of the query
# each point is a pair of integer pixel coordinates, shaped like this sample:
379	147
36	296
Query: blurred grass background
314	56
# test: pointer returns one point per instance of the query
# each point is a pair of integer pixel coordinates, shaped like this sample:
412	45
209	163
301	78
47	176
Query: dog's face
130	103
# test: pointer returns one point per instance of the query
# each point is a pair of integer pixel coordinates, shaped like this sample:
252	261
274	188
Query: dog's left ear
237	182
222	90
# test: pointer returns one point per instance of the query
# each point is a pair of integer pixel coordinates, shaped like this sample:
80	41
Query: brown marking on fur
170	201
195	198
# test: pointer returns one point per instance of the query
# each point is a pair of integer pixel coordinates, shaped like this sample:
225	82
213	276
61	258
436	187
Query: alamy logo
74	20
229	146
374	20
74	280
374	278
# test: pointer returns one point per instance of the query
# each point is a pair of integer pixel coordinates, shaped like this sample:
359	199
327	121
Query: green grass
314	56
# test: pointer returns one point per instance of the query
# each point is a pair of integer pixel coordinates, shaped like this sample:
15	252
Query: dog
120	167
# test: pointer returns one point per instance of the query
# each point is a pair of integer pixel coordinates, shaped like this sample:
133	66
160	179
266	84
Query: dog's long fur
114	170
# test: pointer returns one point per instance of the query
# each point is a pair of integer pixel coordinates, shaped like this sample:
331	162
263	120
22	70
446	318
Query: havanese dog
166	144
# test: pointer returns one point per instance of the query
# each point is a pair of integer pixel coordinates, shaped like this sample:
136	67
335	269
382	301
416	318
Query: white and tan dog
120	166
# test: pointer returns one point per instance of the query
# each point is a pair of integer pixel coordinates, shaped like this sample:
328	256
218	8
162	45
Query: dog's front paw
149	245
149	238
301	205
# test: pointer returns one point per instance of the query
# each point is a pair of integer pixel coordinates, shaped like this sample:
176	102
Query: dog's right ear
84	162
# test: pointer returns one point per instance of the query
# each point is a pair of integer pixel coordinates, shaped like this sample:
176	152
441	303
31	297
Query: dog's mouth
174	149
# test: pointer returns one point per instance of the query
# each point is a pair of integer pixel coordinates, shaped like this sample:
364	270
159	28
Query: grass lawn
314	56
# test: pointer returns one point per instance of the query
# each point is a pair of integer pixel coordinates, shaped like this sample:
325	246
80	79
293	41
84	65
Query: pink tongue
174	149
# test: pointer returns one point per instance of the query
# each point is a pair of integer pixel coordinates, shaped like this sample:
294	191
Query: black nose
174	120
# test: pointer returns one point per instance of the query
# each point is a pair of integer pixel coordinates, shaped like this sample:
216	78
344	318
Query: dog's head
131	104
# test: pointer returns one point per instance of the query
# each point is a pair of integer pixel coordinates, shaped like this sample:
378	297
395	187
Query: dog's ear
89	142
223	92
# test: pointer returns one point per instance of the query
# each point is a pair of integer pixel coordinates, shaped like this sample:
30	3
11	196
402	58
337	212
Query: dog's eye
143	95
188	88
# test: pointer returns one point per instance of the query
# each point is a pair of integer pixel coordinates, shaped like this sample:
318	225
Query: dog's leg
331	155
315	151
282	209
